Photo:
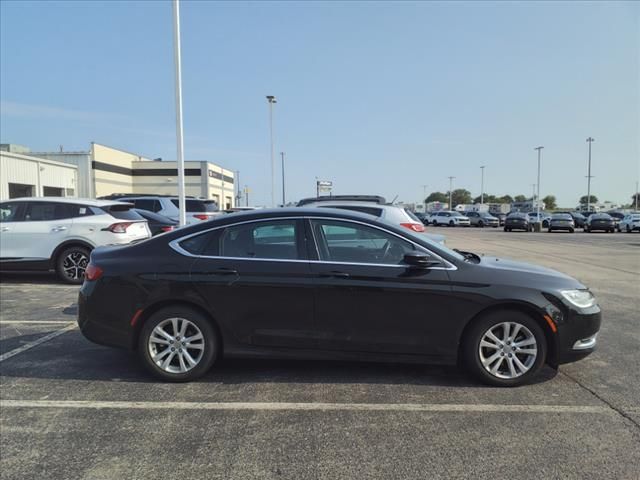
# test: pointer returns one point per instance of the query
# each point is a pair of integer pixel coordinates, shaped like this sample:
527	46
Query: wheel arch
527	309
66	244
157	306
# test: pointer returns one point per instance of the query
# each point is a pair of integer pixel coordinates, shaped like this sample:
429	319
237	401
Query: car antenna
394	200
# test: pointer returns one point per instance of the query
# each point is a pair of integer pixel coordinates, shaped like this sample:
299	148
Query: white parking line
35	343
287	406
36	322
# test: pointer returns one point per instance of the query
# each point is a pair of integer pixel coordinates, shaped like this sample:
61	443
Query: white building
23	175
104	170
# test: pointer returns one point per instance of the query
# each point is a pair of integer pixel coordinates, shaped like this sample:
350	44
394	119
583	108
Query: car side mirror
420	260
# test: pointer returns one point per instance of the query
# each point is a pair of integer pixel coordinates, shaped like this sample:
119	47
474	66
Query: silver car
482	219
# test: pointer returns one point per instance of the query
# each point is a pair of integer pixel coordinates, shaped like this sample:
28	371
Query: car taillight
200	216
167	228
119	227
416	227
92	272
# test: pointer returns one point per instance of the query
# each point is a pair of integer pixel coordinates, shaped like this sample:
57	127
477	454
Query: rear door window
11	211
149	204
276	239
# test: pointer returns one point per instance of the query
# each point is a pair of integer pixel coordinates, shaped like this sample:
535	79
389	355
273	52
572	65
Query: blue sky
377	97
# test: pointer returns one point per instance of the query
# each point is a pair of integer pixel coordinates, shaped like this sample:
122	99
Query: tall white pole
589	141
637	195
538	186
180	141
451	193
482	186
272	100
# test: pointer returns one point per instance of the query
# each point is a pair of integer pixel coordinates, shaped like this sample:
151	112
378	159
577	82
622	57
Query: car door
11	214
367	300
256	278
44	226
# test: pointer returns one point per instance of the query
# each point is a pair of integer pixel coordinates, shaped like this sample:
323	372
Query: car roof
72	200
347	203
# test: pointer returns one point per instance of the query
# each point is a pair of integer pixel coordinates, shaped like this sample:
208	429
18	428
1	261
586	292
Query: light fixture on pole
451	192
271	99
179	134
539	149
482	186
424	194
590	140
283	195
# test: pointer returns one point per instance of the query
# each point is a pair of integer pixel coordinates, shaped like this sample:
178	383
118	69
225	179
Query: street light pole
424	194
482	186
590	140
539	149
271	99
182	217
283	196
637	195
451	192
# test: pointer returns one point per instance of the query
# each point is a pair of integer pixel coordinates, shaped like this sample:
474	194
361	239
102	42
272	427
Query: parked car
517	221
449	218
330	284
373	205
59	234
630	223
578	218
561	221
482	219
600	221
197	210
423	217
617	217
544	218
157	223
501	217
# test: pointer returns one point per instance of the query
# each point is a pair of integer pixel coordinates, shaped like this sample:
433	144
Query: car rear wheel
571	230
451	223
481	224
505	348
178	344
71	264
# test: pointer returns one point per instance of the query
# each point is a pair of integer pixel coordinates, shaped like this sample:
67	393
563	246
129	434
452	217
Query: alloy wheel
176	345
74	265
508	350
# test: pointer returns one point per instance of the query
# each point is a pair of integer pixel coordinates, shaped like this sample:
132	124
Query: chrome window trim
175	245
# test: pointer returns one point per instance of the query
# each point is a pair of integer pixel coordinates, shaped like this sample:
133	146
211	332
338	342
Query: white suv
59	233
452	219
197	210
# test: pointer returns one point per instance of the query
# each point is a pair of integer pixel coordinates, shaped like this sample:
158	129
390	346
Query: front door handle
224	271
59	228
5	229
335	274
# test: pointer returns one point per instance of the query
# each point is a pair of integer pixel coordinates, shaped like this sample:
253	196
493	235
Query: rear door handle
335	274
224	271
59	228
5	229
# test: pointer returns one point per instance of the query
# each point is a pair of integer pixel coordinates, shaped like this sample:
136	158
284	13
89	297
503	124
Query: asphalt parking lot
72	409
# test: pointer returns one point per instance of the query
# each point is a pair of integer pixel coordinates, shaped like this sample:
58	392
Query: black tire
471	347
71	264
480	224
451	223
507	229
628	229
211	341
549	230
571	230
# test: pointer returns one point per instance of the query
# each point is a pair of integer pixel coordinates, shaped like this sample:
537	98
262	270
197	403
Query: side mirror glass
420	260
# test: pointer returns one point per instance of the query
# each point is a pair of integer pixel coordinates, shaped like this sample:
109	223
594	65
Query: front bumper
577	333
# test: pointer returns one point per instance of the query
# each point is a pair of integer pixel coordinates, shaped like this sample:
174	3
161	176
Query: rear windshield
376	212
198	205
516	215
601	216
155	217
562	216
412	216
121	212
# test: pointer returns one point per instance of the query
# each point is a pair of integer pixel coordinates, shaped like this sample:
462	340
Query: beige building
105	170
23	175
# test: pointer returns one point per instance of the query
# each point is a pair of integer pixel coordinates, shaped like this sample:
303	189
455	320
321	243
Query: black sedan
157	223
600	221
329	284
561	221
517	221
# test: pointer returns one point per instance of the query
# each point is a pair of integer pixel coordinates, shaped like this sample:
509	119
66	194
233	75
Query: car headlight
579	298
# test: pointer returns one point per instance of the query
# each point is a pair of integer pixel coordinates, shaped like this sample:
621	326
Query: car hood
511	271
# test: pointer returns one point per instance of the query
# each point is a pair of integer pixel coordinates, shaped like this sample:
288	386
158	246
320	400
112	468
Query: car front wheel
505	348
71	264
178	344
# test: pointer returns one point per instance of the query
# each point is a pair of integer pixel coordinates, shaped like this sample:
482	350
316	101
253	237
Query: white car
59	233
629	223
449	218
376	206
197	210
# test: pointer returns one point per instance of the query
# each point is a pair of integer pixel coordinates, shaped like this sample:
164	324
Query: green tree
460	196
583	199
550	202
437	197
505	199
519	198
